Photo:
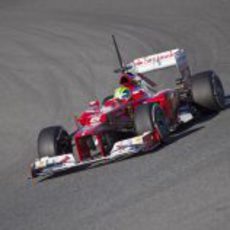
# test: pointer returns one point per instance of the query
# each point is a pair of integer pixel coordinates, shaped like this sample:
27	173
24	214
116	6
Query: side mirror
95	105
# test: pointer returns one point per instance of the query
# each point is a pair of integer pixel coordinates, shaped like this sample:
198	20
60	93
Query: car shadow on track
182	132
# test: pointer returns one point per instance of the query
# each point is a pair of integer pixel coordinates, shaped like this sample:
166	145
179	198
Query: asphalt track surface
57	55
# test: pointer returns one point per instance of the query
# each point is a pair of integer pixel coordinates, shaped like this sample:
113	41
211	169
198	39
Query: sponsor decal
157	58
95	119
137	140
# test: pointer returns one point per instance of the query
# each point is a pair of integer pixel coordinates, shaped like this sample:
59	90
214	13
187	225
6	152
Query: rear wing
175	57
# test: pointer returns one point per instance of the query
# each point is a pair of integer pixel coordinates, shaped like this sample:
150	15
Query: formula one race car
135	119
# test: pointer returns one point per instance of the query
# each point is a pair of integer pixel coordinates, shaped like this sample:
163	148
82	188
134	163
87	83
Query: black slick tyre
149	117
53	141
207	91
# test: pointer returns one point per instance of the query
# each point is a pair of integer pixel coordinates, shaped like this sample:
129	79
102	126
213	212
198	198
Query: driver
122	93
138	86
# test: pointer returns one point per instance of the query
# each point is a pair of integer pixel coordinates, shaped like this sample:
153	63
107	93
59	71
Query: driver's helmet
122	93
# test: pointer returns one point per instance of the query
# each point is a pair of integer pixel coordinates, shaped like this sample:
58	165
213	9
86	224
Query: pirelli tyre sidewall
150	117
53	141
207	91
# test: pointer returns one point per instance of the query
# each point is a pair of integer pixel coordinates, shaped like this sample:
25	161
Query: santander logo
157	58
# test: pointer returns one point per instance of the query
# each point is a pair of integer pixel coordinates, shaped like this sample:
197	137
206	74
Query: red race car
135	119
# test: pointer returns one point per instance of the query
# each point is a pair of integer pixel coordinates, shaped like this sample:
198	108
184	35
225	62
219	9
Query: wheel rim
160	122
62	144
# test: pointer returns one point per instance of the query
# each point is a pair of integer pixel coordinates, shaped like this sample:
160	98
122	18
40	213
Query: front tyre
53	141
150	117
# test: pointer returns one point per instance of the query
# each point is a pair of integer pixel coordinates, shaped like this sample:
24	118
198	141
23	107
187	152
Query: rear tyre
53	141
149	117
207	91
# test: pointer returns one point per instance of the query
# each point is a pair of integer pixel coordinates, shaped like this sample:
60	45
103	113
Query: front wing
49	166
